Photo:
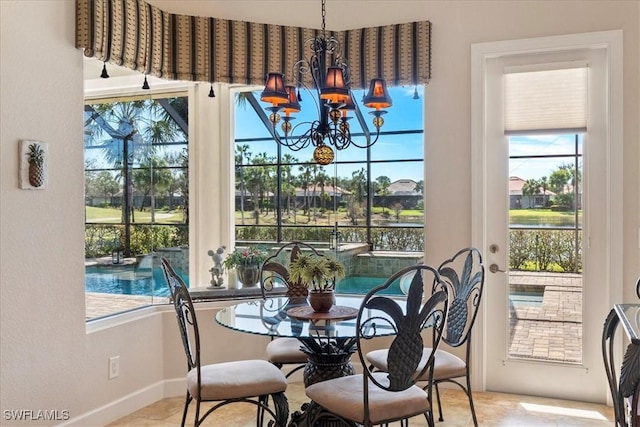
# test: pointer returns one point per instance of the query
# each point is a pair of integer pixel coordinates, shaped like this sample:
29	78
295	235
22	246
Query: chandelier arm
297	143
303	68
369	143
339	139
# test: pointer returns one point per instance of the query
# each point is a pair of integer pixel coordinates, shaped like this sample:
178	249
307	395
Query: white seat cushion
344	397
447	365
285	350
230	380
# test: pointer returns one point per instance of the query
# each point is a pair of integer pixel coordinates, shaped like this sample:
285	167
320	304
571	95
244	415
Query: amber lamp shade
335	89
378	96
274	91
292	105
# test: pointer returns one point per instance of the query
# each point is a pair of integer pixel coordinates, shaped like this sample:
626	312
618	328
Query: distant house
403	187
519	201
402	191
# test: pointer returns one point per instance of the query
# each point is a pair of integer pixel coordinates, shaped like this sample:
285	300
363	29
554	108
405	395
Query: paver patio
552	329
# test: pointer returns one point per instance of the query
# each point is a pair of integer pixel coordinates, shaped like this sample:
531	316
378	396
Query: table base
326	361
322	367
313	415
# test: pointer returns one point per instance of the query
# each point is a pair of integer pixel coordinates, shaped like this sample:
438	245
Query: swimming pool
126	280
361	285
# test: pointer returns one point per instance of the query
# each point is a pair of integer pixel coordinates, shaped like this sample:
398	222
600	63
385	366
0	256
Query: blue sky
405	114
540	145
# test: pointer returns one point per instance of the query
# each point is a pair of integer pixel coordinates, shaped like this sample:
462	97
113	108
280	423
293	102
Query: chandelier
332	94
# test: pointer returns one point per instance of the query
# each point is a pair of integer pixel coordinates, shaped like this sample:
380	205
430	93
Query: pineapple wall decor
33	164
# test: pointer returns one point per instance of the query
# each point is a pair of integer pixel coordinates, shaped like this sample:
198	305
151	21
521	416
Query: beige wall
49	360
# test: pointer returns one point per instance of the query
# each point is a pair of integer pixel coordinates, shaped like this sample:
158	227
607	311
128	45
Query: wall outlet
114	367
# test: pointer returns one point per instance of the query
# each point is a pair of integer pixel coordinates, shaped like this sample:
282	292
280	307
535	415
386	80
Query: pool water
526	295
362	285
128	280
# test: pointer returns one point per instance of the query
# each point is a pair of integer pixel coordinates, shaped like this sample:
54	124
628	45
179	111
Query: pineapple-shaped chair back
464	274
382	315
35	157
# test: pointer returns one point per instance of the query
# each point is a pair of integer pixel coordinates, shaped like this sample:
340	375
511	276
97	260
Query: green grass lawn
516	216
114	216
326	218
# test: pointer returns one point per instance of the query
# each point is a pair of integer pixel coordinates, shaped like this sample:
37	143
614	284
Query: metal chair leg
439	404
473	409
187	400
197	419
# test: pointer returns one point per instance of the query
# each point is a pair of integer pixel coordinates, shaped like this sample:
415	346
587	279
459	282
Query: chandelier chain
324	14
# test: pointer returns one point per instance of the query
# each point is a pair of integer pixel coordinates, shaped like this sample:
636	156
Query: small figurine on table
217	269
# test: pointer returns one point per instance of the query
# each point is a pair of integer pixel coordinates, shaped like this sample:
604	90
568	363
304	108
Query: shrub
540	250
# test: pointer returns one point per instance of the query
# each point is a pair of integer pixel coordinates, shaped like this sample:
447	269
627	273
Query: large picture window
369	195
136	195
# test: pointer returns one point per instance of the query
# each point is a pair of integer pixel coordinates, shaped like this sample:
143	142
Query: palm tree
322	179
152	175
304	180
419	188
314	180
242	153
174	179
358	186
383	190
127	132
288	188
531	188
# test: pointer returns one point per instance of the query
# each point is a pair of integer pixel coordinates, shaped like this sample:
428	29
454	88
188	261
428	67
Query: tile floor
492	409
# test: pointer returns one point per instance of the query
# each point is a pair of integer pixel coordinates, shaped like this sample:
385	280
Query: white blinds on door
549	100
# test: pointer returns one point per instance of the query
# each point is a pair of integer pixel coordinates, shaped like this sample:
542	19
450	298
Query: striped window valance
142	37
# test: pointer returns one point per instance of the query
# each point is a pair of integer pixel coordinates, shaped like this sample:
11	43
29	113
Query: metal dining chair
464	275
375	397
249	381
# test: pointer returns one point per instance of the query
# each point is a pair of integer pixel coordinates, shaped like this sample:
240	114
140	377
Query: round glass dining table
328	339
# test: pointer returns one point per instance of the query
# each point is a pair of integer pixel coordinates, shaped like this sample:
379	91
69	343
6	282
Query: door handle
494	269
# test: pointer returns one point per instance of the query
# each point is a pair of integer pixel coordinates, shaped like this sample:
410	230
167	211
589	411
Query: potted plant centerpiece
319	274
247	263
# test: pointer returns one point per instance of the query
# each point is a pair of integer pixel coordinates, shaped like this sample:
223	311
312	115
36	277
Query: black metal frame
628	386
187	322
127	169
367	164
467	285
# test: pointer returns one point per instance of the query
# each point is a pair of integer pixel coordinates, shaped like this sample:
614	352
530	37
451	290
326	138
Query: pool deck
547	330
552	329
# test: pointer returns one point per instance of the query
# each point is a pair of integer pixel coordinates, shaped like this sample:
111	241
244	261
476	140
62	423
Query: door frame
481	53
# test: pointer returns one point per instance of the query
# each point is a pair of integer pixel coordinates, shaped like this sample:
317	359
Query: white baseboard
128	404
137	400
